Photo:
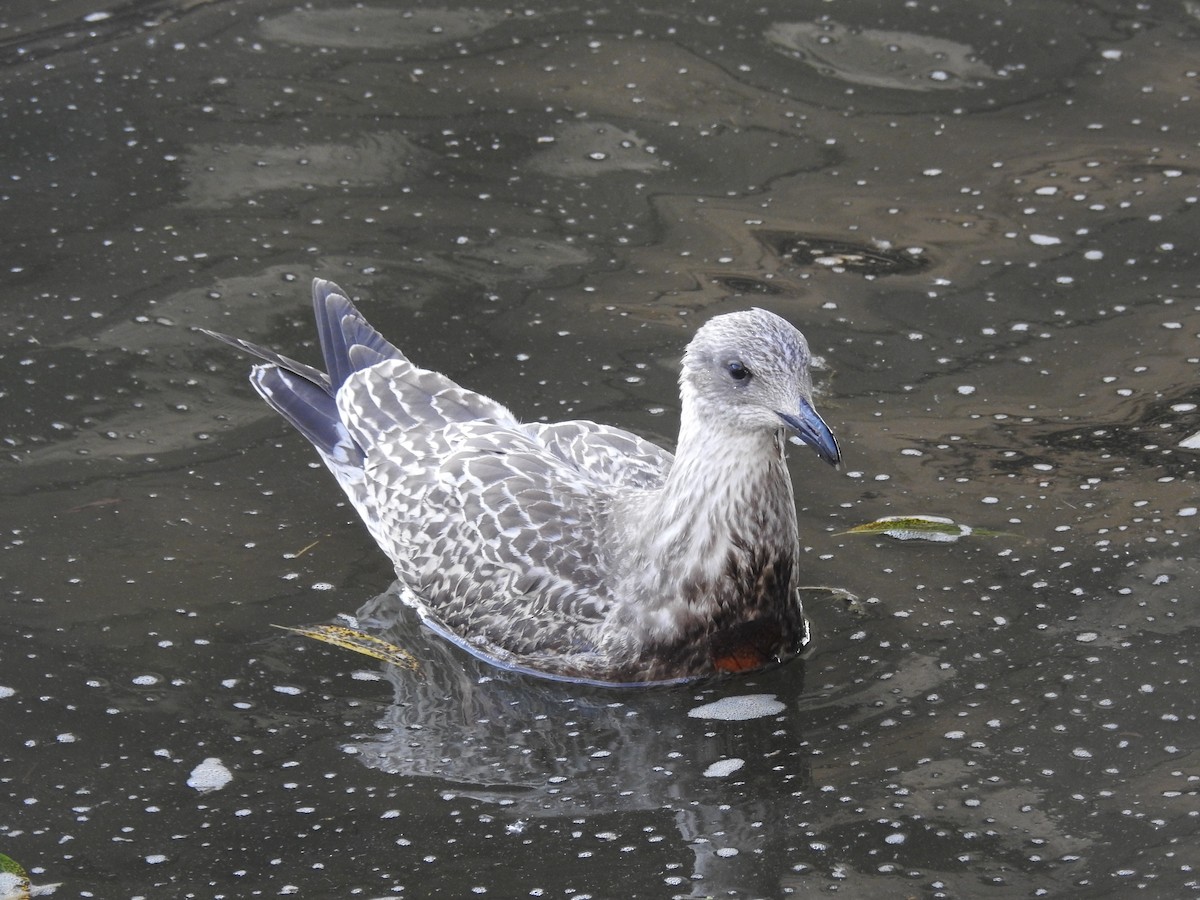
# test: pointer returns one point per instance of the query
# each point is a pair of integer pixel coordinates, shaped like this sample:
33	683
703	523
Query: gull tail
306	396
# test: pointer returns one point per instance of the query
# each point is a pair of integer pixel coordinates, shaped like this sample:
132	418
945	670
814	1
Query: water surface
982	215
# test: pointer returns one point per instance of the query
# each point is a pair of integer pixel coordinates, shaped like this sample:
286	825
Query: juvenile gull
574	550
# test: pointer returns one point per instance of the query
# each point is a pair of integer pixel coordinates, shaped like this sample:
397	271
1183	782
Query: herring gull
574	550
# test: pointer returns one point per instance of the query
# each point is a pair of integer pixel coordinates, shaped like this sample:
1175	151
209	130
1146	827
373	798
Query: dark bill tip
811	428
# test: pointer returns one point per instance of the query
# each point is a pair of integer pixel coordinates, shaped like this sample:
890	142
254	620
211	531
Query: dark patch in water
1151	434
743	284
814	251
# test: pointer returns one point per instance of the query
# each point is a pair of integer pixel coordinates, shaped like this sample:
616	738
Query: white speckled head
749	371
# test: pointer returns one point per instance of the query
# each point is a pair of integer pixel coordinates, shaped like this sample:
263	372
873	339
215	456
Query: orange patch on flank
743	659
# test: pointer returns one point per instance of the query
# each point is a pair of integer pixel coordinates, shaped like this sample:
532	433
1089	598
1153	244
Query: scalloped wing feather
493	533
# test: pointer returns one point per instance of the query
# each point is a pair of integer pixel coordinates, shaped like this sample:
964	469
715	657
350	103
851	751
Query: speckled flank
574	549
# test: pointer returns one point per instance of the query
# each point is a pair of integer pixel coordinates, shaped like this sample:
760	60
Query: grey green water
984	217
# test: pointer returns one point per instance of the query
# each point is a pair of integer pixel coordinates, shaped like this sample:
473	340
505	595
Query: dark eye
737	371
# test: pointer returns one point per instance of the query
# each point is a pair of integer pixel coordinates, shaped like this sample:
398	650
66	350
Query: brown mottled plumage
574	550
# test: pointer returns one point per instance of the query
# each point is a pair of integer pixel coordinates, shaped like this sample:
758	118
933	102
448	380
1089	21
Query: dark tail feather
310	408
316	376
330	306
345	333
304	395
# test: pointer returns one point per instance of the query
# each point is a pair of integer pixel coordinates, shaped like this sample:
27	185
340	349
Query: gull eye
737	371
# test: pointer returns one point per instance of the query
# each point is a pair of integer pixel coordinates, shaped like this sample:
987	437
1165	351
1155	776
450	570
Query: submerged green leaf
14	880
10	865
359	641
920	528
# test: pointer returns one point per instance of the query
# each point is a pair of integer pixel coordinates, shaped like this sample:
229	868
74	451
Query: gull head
749	371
